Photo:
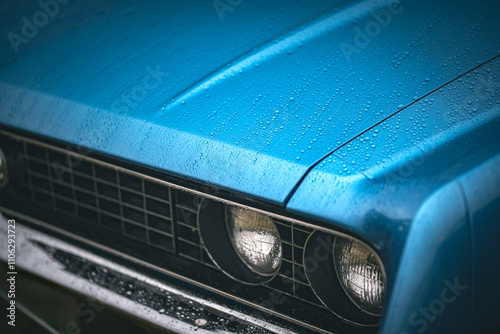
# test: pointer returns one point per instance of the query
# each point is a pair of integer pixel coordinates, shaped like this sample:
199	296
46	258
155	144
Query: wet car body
378	119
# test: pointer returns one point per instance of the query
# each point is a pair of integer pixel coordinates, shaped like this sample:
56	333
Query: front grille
103	196
145	217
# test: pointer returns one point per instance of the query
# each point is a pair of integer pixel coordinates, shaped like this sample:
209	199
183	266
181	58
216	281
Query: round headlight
255	238
360	274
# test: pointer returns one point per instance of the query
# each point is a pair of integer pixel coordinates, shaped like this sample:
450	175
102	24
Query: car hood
245	96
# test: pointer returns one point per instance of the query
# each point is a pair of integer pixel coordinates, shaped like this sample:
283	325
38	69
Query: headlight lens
255	238
360	274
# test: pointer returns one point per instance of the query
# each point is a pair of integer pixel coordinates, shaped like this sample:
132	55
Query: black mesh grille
124	203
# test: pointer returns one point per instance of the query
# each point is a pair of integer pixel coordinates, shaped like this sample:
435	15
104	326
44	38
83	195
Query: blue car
236	166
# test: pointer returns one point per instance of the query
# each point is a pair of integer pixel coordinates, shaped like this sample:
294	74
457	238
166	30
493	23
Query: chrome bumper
113	285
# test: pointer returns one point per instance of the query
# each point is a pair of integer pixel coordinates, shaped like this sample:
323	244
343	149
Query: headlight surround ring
322	276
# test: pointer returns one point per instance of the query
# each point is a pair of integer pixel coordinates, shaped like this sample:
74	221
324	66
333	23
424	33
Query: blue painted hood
245	96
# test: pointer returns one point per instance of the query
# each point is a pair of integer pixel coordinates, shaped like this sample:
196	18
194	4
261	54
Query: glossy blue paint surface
287	97
435	269
394	101
398	186
393	167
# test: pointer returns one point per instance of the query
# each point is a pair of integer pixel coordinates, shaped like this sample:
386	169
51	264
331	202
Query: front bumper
156	302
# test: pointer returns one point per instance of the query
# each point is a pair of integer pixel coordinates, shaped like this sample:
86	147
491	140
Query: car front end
253	167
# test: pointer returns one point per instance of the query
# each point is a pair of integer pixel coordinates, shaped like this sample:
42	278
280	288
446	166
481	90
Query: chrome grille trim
166	183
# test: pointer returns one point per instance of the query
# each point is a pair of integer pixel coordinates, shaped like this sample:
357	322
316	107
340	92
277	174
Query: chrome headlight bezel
323	278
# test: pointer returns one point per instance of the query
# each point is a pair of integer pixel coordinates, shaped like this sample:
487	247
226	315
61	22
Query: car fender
432	292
